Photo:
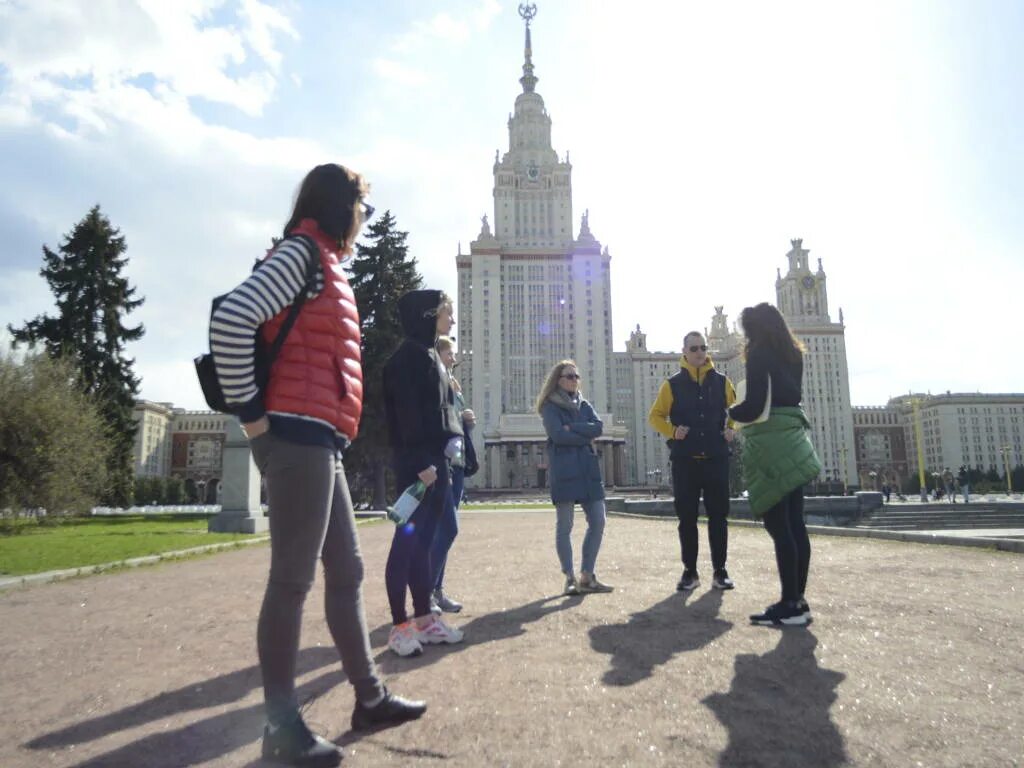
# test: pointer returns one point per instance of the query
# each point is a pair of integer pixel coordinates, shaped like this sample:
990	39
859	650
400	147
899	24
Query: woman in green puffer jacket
778	457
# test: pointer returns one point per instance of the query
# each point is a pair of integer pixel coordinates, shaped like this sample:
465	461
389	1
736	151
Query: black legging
785	523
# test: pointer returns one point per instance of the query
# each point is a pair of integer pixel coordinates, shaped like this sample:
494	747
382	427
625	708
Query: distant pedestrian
949	483
572	426
778	457
464	464
886	490
298	426
964	479
691	411
422	423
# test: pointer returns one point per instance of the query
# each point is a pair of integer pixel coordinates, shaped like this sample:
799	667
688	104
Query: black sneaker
781	614
391	711
721	580
689	582
805	608
294	744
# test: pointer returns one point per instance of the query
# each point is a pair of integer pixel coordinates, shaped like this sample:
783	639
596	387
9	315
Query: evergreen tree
379	274
93	297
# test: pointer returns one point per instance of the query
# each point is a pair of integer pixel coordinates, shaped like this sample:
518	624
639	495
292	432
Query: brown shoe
589	583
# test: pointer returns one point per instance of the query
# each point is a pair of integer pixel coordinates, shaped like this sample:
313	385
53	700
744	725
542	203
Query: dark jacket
786	377
701	407
574	465
419	404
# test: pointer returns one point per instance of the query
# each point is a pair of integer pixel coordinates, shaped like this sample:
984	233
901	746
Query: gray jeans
594	510
311	518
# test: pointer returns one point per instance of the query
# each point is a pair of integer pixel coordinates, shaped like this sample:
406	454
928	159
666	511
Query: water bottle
454	451
407	503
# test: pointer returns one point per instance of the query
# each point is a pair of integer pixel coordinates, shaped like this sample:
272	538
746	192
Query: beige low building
983	432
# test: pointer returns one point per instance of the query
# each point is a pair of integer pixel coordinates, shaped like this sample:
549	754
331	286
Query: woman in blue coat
572	427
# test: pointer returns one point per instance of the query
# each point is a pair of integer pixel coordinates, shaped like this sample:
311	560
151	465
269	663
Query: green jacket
777	457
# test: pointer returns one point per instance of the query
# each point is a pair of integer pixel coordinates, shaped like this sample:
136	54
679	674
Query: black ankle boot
392	710
294	744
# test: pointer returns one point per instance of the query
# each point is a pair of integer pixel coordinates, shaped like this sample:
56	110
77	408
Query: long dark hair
766	328
329	195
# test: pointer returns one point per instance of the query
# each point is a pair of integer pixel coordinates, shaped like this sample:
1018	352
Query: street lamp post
1005	450
915	404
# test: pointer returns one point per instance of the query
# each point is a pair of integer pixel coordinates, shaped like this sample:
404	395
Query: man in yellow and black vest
691	412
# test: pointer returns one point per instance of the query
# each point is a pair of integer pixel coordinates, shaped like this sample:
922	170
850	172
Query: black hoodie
418	400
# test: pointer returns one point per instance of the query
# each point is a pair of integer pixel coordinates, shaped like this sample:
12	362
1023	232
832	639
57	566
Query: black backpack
264	356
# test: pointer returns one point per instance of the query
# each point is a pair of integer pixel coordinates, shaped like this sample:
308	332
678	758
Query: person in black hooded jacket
422	420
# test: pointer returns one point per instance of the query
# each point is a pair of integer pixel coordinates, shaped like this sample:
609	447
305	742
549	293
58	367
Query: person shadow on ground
491	627
653	637
202	740
777	709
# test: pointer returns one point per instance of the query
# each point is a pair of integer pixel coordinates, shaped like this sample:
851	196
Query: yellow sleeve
730	399
658	416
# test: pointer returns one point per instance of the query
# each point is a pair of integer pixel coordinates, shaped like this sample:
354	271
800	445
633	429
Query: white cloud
55	52
389	69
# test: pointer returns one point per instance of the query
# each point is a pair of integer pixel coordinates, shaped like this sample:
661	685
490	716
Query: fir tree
379	274
92	298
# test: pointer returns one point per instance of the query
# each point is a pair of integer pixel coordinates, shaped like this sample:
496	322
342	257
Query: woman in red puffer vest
298	428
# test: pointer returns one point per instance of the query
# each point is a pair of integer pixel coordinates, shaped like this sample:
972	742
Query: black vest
701	407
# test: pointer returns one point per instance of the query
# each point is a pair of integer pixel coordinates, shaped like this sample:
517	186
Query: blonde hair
551	382
446	301
443	344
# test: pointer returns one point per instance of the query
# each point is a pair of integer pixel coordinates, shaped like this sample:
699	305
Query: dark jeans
408	565
785	524
311	518
447	527
690	478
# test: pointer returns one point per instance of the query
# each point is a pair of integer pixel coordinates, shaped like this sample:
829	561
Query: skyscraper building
802	298
530	293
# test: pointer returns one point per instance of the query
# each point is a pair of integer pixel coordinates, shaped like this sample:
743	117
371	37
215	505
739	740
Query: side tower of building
802	298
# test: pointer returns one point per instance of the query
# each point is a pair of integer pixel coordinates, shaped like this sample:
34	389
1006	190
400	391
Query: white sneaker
404	640
437	631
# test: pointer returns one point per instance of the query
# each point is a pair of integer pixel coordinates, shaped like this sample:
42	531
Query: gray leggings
310	516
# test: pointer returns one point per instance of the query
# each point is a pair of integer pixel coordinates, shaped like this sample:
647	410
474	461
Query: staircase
934	517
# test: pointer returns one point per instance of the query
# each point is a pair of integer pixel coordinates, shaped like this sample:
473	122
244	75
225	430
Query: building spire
527	11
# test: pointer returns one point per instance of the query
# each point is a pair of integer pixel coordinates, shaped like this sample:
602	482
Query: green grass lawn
78	542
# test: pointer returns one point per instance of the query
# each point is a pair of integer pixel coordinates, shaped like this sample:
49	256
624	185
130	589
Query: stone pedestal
241	511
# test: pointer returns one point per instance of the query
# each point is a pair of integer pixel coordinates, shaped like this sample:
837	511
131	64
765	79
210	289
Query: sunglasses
367	210
573	376
701	347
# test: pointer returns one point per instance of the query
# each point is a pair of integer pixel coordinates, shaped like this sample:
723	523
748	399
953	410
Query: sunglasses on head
367	210
573	376
701	347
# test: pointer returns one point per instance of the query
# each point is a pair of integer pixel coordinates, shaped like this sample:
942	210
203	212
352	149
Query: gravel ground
914	659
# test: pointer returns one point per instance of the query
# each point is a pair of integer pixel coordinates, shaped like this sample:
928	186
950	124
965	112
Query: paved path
913	659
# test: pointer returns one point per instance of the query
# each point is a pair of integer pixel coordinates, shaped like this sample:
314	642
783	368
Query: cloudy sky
703	136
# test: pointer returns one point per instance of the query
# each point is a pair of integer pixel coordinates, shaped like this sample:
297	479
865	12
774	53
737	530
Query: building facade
152	450
980	431
173	442
880	440
983	432
530	293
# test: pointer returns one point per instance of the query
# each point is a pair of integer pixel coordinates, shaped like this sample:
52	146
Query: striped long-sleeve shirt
235	322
